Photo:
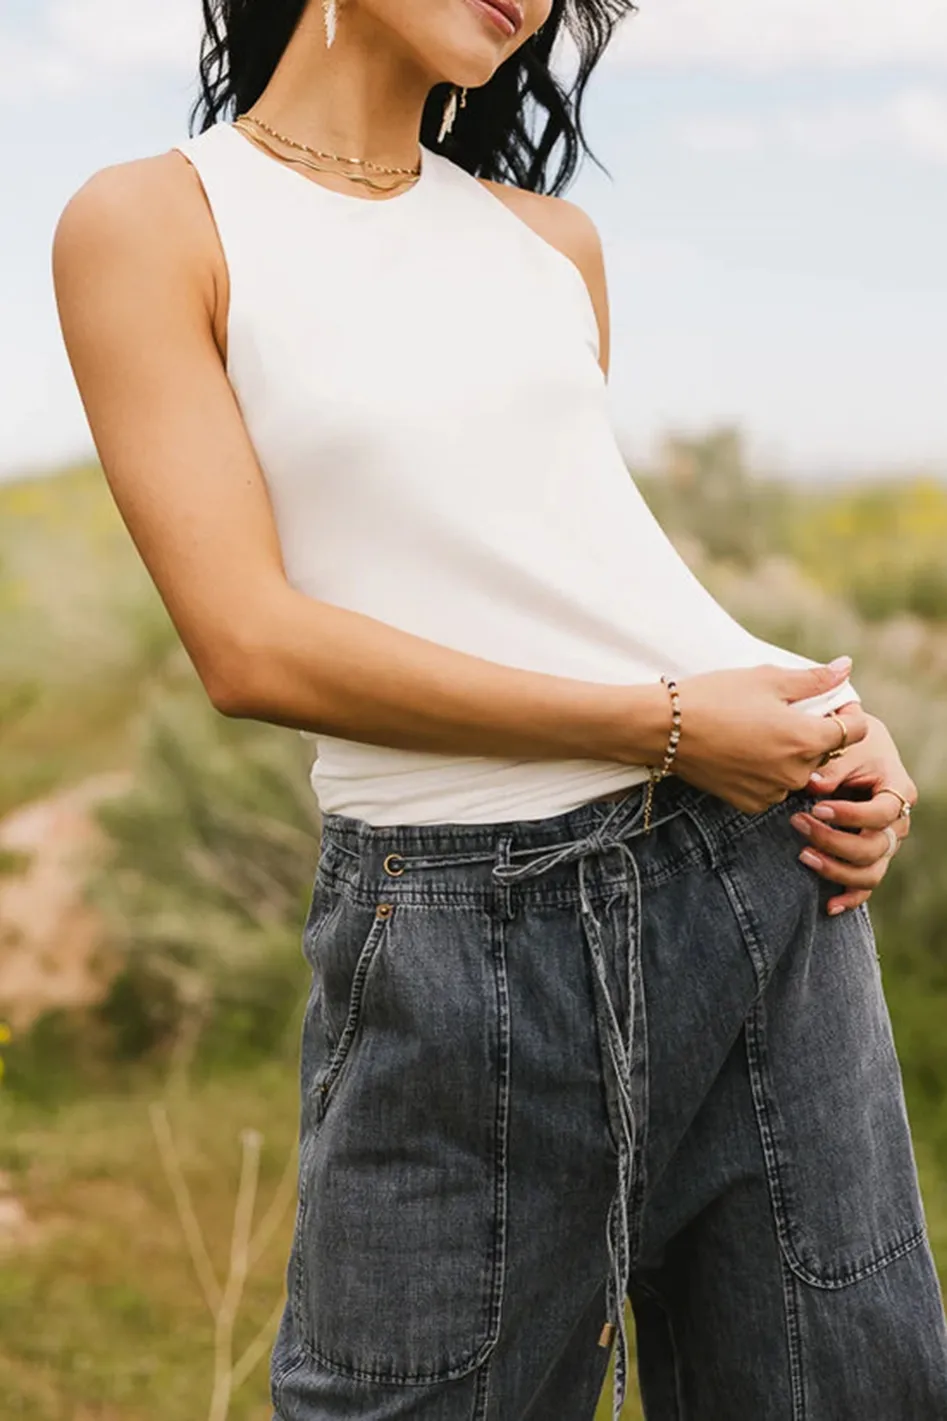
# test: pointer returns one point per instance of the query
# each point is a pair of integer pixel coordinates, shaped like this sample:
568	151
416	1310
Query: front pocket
340	1043
830	1104
397	1265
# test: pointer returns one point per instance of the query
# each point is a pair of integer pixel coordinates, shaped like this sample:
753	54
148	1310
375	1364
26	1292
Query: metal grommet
390	865
384	910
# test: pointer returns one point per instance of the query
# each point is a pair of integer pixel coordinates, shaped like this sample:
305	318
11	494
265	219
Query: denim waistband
452	865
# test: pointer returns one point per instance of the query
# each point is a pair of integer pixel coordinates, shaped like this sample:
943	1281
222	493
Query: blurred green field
210	857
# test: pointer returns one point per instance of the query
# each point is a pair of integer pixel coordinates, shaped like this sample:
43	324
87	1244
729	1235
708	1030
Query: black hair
524	126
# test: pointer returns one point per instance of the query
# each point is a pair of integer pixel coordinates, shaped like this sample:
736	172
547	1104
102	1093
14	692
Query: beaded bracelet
673	740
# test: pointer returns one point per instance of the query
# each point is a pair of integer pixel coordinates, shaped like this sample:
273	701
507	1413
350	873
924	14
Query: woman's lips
504	14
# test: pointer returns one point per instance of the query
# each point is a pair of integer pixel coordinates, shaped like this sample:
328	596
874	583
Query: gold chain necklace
255	127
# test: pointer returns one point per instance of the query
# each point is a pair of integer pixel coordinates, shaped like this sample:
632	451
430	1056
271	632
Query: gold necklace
303	160
255	127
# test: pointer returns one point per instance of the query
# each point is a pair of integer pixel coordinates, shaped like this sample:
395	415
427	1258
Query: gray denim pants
551	1063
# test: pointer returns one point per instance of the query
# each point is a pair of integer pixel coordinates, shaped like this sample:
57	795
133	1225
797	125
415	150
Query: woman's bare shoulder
561	222
569	228
147	220
150	210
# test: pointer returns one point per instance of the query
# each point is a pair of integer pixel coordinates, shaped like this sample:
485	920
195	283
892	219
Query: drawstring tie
620	1049
622	822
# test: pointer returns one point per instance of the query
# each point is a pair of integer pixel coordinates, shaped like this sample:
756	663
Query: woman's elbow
236	682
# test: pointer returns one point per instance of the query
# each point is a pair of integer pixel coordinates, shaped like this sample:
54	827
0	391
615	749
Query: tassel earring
330	13
450	111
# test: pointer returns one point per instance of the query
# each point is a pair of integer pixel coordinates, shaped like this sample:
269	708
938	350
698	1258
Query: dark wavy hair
524	126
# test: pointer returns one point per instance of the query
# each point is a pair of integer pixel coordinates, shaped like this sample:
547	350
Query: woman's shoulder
143	202
563	223
569	228
146	217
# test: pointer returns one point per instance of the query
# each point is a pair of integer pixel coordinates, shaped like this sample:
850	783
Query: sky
774	222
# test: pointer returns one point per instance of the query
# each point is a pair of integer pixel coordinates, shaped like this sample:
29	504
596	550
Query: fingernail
816	779
839	908
800	823
841	663
823	811
810	859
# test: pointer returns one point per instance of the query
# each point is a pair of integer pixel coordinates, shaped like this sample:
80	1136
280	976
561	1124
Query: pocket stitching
325	1084
826	1278
337	1059
494	1265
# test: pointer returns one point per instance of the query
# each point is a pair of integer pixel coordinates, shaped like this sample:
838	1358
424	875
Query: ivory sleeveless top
419	377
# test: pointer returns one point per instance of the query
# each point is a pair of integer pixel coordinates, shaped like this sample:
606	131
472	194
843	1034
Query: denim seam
797	1383
741	912
732	830
600	1025
342	1050
481	1400
834	1282
639	999
502	1128
827	1281
278	1385
296	1282
360	1374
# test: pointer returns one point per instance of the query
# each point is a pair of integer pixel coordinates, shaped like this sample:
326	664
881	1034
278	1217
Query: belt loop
704	834
504	890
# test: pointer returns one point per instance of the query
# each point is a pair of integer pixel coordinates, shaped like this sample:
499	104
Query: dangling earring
450	111
330	13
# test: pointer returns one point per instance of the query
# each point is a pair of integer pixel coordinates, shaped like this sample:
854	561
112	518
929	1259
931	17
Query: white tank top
419	377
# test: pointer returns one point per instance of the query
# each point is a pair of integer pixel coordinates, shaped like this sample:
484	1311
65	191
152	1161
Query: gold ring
833	715
893	841
905	803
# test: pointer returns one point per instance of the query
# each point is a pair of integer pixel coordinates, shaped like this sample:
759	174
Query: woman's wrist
630	724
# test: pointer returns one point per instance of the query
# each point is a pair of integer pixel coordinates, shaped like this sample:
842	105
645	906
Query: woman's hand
858	860
746	741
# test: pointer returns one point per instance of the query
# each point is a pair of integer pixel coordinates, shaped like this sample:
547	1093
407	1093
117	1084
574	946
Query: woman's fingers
855	850
847	901
856	725
875	813
857	862
844	873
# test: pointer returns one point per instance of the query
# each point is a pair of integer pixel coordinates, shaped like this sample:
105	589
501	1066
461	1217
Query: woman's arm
139	279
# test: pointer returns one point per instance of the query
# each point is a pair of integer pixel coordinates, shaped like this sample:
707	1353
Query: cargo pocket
396	1267
830	1101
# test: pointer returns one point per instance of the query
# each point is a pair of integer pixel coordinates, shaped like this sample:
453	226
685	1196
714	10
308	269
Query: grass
102	1315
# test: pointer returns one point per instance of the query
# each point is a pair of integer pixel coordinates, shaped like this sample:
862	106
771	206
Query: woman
585	1016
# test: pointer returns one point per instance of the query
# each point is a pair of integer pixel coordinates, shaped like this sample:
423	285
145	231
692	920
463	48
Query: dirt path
49	936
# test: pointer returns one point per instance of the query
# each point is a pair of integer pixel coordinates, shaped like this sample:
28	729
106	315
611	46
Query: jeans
549	1064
